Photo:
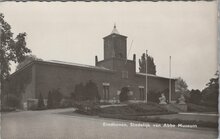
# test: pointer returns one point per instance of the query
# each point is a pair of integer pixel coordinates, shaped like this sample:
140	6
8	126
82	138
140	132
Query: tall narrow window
106	91
141	91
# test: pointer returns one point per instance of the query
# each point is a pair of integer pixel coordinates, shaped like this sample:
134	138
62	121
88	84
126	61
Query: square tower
115	54
115	45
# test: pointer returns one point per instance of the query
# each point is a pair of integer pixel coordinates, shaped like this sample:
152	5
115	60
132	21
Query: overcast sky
73	32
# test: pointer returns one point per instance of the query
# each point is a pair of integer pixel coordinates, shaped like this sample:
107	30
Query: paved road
51	125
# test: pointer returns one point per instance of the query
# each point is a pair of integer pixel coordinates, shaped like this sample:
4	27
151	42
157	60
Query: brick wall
49	77
46	76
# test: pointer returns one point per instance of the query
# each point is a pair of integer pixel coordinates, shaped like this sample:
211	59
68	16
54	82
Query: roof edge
151	75
114	34
53	63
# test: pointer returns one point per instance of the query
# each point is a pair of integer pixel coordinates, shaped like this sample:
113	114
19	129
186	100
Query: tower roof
115	31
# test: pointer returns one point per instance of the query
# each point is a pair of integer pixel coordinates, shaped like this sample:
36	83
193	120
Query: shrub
11	100
91	91
65	103
87	92
149	107
195	96
7	109
211	92
153	96
136	109
105	103
87	107
33	107
49	100
54	98
124	110
209	103
79	92
40	104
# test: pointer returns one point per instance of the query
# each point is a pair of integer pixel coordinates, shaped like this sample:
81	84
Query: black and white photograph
109	70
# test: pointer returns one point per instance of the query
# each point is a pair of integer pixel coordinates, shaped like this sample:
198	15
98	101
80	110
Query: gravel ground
50	124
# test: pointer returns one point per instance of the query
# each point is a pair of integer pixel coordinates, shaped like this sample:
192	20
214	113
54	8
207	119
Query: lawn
150	112
135	109
153	112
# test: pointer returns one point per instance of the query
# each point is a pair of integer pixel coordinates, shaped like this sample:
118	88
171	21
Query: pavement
205	114
52	124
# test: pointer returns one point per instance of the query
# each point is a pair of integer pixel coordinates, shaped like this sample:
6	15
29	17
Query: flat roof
82	66
77	64
152	75
62	63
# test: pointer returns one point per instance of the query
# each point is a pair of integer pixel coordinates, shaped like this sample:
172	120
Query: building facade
110	75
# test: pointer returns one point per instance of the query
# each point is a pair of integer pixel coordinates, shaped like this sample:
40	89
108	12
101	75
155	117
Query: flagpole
146	77
170	79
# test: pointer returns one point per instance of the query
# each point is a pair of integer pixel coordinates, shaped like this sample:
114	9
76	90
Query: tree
195	96
56	98
27	60
12	49
151	67
211	92
79	92
91	91
181	87
86	92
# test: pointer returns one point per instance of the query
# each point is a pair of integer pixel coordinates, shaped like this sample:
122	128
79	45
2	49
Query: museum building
110	75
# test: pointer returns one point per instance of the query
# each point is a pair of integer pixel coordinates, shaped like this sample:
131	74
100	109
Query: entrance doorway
124	94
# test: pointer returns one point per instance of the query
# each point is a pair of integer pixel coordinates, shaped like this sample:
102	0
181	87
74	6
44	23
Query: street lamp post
146	78
170	79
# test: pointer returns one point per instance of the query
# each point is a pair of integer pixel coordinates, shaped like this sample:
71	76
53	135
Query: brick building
110	75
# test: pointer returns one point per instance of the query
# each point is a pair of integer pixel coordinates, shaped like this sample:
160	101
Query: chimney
96	60
134	57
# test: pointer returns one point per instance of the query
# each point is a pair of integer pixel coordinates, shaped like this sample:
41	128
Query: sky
74	31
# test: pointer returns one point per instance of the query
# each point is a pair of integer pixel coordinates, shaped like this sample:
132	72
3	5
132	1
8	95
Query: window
124	74
141	91
106	91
